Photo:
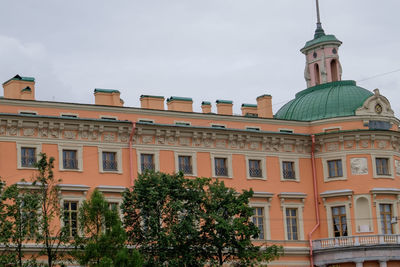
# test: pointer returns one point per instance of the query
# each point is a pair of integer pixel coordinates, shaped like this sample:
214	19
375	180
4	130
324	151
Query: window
70	159
288	170
386	217
32	113
114	206
108	118
218	126
335	168
258	220
255	169
220	167
339	221
110	161
146	121
182	123
382	166
292	224
69	115
253	129
28	156
185	164
147	162
71	217
285	131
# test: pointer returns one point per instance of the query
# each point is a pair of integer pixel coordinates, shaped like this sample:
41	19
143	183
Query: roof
178	98
328	100
109	91
320	38
220	101
20	78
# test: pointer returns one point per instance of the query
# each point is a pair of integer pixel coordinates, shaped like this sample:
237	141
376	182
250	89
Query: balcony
350	241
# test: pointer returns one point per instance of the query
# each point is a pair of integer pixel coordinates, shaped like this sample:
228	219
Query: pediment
376	105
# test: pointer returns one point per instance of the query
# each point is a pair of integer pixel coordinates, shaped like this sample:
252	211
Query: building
325	168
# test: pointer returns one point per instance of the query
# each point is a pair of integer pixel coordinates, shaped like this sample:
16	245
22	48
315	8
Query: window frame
325	161
193	156
390	166
228	162
20	145
118	159
328	207
395	208
265	206
296	169
263	167
297	209
295	201
79	158
156	159
340	215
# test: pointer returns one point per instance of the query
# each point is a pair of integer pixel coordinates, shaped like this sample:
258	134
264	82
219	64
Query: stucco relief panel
397	166
359	166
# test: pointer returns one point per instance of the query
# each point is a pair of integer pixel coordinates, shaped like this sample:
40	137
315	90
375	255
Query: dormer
20	87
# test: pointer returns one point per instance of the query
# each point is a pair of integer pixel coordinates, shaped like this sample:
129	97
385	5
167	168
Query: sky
204	49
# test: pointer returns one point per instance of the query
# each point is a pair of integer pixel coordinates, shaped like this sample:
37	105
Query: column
382	263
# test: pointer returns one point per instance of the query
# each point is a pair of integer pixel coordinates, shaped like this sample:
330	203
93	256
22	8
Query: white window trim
370	220
300	222
263	167
228	162
194	161
326	168
76	198
115	200
390	167
118	154
156	158
329	206
267	232
79	151
296	169
393	202
20	145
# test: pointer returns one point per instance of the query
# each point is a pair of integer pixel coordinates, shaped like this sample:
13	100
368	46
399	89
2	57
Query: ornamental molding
52	130
369	106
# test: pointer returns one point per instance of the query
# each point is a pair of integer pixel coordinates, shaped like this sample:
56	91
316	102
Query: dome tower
322	58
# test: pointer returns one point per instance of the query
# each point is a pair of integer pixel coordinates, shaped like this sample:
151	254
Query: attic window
28	113
182	123
285	131
248	114
252	128
69	115
146	121
218	126
330	130
108	118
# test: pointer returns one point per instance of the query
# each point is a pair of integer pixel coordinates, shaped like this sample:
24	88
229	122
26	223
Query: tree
177	221
20	215
103	241
227	230
7	255
52	235
162	215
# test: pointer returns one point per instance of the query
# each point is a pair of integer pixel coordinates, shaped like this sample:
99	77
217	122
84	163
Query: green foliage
52	237
103	241
176	221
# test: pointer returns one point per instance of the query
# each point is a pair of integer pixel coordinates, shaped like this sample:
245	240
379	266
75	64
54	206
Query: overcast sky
204	49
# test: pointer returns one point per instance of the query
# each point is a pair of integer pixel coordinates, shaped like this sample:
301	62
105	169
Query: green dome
328	100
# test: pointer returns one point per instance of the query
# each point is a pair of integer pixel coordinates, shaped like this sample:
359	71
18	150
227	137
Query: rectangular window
382	166
108	118
258	220
147	162
71	217
110	161
221	168
288	170
339	221
255	168
253	129
28	156
335	168
386	217
70	160
185	164
69	116
217	126
113	206
292	224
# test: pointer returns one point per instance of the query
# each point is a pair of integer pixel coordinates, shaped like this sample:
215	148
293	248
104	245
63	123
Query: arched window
316	74
334	71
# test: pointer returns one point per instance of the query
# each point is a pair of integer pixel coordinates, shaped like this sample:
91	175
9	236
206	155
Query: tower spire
319	31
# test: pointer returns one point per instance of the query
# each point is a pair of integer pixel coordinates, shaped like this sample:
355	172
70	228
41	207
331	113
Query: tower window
334	71
316	74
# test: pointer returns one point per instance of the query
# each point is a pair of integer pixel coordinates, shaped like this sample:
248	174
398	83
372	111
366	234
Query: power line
379	75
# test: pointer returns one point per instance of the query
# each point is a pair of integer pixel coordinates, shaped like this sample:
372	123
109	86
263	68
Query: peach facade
327	190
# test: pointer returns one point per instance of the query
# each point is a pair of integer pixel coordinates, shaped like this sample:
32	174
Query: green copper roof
249	105
20	78
330	38
98	90
152	96
328	100
206	103
220	101
179	98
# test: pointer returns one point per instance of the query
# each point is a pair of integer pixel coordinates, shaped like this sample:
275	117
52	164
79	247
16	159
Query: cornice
110	189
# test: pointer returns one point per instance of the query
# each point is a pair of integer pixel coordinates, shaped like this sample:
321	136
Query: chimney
224	107
177	103
20	87
107	97
152	102
206	107
264	106
249	110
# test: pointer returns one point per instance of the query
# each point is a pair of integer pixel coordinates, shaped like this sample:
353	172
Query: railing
350	241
